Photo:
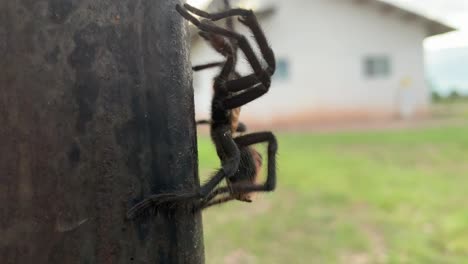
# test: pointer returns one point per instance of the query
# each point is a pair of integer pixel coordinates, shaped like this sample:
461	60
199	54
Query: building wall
324	43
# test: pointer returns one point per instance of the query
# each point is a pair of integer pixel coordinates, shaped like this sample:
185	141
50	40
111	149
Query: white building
336	60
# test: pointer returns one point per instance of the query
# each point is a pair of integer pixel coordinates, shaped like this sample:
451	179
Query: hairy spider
240	162
247	174
251	166
226	47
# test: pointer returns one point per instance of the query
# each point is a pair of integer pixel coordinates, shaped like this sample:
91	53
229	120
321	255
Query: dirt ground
375	125
356	125
440	114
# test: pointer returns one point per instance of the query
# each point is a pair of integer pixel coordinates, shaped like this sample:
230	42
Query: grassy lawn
374	197
450	109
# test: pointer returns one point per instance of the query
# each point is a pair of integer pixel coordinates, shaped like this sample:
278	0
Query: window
282	69
377	67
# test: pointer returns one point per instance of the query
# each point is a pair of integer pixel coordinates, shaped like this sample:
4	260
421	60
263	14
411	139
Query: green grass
374	197
450	109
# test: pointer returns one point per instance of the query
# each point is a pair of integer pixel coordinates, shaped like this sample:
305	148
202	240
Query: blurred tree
454	95
436	96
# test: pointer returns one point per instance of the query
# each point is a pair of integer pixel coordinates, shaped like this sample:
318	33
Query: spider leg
242	83
229	21
214	194
255	138
156	201
208	26
233	45
214	199
220	201
207	66
241	127
219	15
227	150
237	85
228	67
242	98
217	201
270	183
230	157
245	97
230	26
255	85
248	18
203	122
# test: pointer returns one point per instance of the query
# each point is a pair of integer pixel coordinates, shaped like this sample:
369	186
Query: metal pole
96	111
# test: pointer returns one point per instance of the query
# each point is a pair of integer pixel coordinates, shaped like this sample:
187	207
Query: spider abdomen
248	172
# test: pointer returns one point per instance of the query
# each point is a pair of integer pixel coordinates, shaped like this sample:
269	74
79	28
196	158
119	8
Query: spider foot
157	201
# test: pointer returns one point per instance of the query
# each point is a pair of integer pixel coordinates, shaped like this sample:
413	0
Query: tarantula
240	162
223	46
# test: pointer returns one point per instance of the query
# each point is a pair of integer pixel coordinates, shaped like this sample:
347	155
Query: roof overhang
433	26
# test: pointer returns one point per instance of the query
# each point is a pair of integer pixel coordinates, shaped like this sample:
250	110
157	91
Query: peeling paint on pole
96	111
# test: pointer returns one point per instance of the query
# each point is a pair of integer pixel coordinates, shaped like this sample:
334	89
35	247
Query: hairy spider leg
252	86
272	149
221	135
229	21
207	66
241	127
214	199
226	148
156	200
212	28
227	151
255	138
230	26
249	19
203	122
220	201
229	167
270	183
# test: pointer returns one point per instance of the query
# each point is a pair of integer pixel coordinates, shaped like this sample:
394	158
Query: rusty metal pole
96	111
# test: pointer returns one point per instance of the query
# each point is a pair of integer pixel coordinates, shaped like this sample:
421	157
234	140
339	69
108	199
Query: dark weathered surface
96	111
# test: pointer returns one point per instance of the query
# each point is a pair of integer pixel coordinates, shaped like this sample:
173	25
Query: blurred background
369	102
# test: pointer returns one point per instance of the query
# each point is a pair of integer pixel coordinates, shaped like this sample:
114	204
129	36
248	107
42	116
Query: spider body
226	48
250	159
248	173
240	162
